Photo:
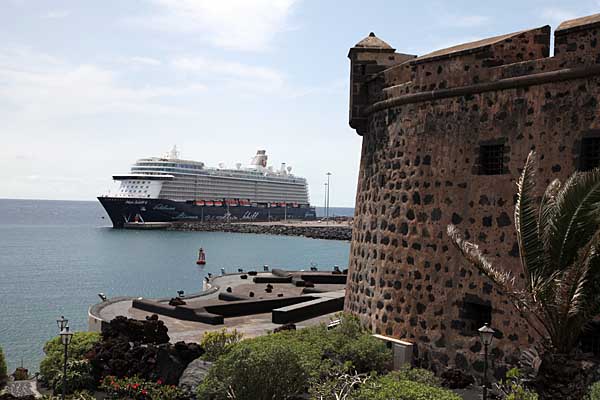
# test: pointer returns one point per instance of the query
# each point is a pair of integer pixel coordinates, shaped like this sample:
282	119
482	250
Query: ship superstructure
182	182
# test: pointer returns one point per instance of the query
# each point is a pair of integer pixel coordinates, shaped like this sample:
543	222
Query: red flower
159	381
144	392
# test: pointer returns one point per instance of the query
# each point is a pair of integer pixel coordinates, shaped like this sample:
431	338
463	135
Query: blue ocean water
56	256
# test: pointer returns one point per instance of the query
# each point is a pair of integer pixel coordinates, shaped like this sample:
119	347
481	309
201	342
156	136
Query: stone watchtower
444	138
368	57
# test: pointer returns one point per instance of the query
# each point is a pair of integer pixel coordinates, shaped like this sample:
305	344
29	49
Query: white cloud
256	78
41	86
56	14
556	15
231	24
464	21
143	61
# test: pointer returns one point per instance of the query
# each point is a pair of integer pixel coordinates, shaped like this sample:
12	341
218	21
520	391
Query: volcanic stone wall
425	122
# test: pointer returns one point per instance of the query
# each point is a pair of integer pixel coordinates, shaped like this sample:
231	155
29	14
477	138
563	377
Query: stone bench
306	310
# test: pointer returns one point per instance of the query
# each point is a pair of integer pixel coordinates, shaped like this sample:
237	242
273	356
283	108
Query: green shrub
75	396
389	388
79	377
3	370
256	370
513	388
338	384
217	343
594	392
296	358
420	375
364	353
81	344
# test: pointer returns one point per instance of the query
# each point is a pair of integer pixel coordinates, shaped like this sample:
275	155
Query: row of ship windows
151	164
229	190
223	195
135	187
136	182
253	176
133	191
224	190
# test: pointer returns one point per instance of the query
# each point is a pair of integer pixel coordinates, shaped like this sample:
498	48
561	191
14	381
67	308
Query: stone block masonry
445	136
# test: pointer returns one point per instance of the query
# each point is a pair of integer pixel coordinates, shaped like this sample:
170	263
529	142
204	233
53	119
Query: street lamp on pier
325	201
328	186
487	334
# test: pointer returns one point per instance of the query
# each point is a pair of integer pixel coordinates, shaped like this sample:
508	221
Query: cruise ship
168	189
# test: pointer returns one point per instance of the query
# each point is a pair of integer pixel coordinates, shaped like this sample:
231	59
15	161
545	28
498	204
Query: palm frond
504	280
547	210
576	217
526	224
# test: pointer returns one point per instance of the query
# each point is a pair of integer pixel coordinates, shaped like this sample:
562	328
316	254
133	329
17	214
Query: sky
87	87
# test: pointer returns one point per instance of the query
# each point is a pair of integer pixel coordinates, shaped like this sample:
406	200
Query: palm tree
559	246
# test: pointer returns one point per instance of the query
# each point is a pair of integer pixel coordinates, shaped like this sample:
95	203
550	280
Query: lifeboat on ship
232	203
201	257
199	203
209	203
218	203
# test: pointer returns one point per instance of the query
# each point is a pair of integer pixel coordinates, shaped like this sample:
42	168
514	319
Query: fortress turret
368	57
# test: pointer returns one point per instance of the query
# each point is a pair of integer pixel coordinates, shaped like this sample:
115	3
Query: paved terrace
249	325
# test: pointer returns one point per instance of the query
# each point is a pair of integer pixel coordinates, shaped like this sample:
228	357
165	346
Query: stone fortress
445	136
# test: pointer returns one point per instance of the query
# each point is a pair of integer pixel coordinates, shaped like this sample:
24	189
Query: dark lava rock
193	376
176	301
456	379
286	327
244	276
132	347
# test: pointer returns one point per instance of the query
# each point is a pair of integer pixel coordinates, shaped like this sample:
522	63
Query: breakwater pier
331	230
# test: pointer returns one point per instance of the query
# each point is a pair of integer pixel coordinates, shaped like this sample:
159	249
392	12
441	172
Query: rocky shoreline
329	232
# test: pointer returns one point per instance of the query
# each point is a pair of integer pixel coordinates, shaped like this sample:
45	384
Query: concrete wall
426	119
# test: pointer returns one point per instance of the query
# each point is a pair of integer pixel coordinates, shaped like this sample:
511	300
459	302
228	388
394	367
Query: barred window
590	153
491	159
474	314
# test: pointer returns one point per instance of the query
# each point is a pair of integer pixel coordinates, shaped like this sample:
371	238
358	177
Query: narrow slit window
491	159
590	153
475	315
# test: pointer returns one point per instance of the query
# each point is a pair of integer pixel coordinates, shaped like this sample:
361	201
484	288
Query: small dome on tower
373	42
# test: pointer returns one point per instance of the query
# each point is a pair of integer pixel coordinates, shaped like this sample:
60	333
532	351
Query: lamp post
325	202
65	338
487	334
328	186
62	323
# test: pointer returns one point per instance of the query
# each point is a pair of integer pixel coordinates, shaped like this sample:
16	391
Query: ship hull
122	210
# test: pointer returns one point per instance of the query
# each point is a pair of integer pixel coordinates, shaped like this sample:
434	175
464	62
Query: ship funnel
238	165
282	167
174	154
260	159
